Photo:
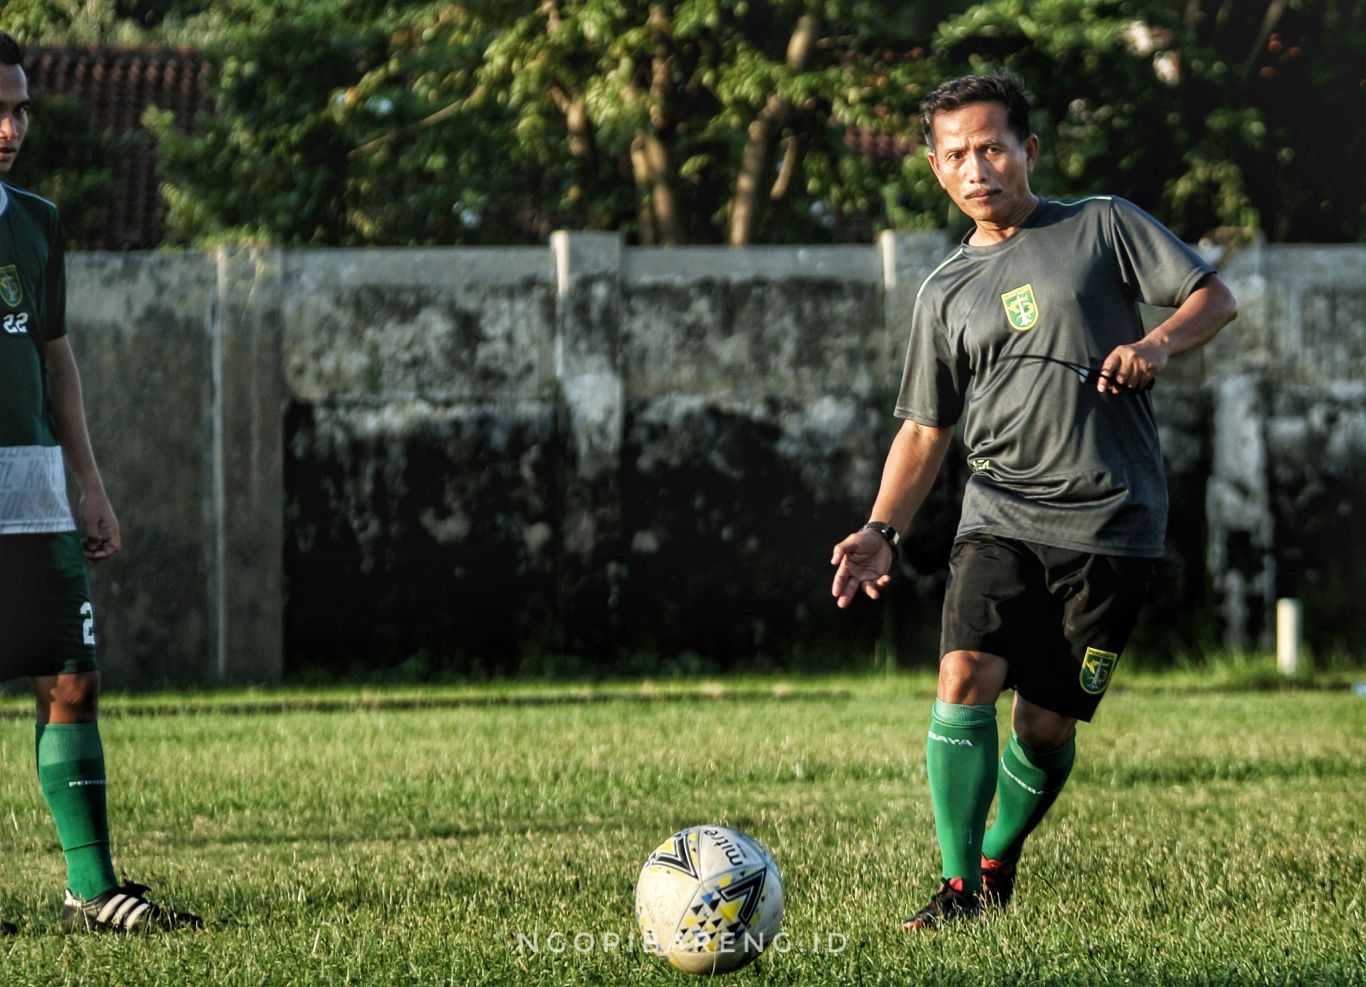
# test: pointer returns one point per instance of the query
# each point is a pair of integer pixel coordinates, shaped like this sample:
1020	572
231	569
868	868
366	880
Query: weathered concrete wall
751	430
180	366
423	453
1286	505
490	459
141	338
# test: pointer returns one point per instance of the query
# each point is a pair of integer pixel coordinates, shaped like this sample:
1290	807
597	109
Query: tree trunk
1274	11
658	208
640	168
583	149
660	220
551	9
794	149
671	231
762	134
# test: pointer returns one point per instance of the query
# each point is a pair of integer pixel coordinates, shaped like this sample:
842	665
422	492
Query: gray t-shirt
1015	333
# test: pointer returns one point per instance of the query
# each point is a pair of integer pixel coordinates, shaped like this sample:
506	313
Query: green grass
1207	837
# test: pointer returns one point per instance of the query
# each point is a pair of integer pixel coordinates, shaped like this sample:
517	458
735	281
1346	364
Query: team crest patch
11	288
1021	308
1096	669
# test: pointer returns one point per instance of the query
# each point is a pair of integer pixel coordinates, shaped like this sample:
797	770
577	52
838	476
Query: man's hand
1132	367
862	561
1206	310
99	527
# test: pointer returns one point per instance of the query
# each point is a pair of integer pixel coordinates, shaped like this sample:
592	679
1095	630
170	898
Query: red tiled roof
116	85
874	144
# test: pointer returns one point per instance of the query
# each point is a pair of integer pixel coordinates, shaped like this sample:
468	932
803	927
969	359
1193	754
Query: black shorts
47	622
1060	618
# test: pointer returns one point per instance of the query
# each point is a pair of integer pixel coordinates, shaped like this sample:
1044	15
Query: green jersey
32	312
1014	334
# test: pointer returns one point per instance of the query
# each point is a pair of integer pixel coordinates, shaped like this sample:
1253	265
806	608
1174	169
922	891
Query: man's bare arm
1197	320
99	528
863	561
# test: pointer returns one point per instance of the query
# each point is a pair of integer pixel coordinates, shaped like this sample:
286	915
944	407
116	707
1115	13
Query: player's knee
72	698
1044	731
970	677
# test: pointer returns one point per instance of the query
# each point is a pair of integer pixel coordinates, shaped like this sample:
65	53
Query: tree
1280	86
660	119
1213	111
473	124
271	162
738	121
69	162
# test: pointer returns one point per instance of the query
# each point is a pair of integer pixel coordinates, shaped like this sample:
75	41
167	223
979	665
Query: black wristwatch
886	531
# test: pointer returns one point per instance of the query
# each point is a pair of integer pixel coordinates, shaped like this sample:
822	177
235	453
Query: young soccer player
46	618
1029	332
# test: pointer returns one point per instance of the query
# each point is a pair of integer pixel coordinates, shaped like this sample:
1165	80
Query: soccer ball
709	899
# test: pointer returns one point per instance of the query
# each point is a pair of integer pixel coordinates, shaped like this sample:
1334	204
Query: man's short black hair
998	86
10	51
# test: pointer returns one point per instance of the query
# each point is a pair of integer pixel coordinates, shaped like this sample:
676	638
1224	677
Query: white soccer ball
709	900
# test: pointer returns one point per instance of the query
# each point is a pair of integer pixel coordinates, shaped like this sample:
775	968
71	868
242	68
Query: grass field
1207	837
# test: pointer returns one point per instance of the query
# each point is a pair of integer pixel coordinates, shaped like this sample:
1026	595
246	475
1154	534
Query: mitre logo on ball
709	900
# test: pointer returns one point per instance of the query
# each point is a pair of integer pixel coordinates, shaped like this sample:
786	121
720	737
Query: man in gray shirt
1030	333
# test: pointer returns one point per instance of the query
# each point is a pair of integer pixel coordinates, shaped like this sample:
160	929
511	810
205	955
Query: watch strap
888	532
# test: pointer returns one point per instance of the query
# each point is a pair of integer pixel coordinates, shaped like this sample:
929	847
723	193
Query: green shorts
47	622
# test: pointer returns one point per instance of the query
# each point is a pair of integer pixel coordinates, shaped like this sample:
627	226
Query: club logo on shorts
1096	669
1021	308
11	288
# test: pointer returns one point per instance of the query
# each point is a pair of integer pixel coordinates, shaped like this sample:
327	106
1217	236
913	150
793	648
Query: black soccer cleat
998	883
949	904
124	909
8	928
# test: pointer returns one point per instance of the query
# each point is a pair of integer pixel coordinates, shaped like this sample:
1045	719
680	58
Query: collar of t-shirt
981	249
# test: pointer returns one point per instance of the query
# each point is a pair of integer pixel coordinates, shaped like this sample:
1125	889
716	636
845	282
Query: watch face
885	530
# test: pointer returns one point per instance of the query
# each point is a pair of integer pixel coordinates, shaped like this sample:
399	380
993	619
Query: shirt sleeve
934	380
1153	263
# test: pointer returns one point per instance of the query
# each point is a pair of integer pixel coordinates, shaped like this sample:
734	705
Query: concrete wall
180	366
487	460
1286	502
142	337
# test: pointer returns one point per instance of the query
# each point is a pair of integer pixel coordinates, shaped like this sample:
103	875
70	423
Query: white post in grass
1288	637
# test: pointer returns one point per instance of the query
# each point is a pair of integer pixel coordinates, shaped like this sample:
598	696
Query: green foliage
87	22
1219	123
150	13
270	164
366	122
67	161
1106	122
31	20
480	124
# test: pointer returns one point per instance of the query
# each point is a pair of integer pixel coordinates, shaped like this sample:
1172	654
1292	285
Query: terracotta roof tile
116	85
875	144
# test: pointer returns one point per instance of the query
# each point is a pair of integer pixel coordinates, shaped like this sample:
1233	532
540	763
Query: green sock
71	773
961	757
1028	784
